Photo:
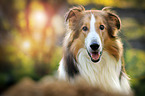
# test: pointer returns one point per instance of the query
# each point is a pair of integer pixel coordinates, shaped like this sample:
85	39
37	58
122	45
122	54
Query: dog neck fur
104	74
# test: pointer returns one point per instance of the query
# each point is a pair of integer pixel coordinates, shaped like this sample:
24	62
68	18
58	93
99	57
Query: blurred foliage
113	3
132	29
32	47
135	62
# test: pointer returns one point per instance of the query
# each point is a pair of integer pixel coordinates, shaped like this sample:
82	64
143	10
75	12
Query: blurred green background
31	34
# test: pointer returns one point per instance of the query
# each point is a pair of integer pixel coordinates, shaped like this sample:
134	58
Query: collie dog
92	49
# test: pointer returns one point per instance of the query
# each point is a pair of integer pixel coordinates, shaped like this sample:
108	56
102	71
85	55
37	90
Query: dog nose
94	46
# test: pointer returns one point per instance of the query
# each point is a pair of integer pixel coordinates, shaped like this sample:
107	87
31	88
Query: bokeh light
38	18
26	45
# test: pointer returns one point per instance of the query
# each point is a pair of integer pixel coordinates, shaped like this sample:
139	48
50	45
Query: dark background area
31	34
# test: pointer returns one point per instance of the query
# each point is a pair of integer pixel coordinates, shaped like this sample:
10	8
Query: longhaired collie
93	51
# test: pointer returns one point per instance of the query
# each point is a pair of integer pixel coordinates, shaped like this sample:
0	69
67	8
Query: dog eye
101	27
85	28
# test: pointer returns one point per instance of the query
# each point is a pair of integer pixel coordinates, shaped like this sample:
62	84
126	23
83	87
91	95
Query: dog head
94	30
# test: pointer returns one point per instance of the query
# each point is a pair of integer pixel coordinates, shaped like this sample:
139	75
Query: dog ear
74	12
115	19
114	22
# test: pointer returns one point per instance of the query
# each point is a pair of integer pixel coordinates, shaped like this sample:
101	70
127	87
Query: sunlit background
32	31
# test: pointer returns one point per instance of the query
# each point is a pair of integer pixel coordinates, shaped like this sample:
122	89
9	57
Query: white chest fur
104	73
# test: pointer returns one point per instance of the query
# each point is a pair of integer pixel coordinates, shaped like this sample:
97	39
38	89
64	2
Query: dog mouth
95	56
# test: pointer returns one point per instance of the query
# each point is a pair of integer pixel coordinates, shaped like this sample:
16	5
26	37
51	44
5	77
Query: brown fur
78	17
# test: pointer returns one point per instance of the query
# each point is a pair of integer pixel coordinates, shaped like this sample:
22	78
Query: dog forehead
98	14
